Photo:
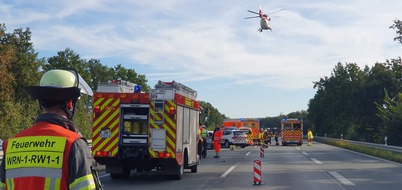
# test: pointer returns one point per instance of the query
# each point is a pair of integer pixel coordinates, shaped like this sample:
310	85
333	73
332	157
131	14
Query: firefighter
309	137
216	138
200	144
268	136
54	154
261	136
276	136
204	141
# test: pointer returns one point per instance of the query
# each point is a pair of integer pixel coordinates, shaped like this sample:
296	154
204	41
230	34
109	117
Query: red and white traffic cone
257	172
262	151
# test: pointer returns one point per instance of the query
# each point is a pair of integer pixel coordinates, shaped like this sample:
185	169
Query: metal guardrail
374	145
1	149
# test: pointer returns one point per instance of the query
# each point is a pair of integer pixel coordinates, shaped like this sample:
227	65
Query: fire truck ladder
178	87
118	86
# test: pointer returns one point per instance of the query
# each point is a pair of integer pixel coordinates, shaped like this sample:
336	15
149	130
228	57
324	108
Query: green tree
214	118
391	119
398	29
19	66
130	75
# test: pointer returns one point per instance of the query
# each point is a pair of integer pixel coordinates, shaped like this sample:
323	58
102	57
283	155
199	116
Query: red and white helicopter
264	23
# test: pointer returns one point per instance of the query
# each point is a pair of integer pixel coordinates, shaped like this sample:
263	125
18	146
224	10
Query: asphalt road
306	167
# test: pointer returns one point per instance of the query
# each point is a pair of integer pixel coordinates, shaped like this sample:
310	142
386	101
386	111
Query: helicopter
264	23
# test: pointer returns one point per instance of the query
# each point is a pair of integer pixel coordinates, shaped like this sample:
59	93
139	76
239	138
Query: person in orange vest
216	138
52	153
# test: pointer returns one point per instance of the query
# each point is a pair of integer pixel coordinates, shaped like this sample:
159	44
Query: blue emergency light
137	88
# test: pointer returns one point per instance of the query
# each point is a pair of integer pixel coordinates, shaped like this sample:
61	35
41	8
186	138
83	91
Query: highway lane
317	167
306	167
357	171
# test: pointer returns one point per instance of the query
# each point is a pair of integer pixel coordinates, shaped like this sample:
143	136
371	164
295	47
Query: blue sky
208	46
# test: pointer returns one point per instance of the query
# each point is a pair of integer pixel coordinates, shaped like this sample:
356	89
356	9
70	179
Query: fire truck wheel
124	175
180	171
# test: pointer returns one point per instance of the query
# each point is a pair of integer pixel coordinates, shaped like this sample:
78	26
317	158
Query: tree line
363	104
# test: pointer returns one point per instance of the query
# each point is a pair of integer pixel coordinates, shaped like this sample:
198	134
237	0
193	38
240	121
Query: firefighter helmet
56	85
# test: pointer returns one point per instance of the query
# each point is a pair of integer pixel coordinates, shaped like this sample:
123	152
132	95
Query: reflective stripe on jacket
310	135
38	158
218	135
203	133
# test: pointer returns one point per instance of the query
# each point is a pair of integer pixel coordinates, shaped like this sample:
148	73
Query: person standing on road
268	134
204	141
217	137
309	137
261	136
276	136
199	144
53	153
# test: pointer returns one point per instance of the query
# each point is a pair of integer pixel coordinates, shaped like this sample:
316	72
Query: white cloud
195	42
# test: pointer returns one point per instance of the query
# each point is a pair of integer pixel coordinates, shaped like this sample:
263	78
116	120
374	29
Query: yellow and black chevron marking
108	121
169	124
292	135
250	138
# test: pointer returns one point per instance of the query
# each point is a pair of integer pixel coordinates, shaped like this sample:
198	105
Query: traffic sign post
262	151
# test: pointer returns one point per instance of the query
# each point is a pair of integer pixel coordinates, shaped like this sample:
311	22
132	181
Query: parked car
248	133
234	137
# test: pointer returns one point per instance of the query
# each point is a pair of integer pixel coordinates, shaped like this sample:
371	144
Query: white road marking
298	148
316	161
341	178
304	153
228	171
248	153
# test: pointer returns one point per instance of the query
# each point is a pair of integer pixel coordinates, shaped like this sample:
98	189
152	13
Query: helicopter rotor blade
253	12
252	17
275	11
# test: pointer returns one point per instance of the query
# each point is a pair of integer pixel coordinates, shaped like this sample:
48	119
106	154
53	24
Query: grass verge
385	154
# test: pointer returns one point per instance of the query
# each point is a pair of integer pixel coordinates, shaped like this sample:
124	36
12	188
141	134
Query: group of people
266	135
216	141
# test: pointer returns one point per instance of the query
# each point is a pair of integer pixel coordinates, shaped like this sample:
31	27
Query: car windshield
209	133
246	131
